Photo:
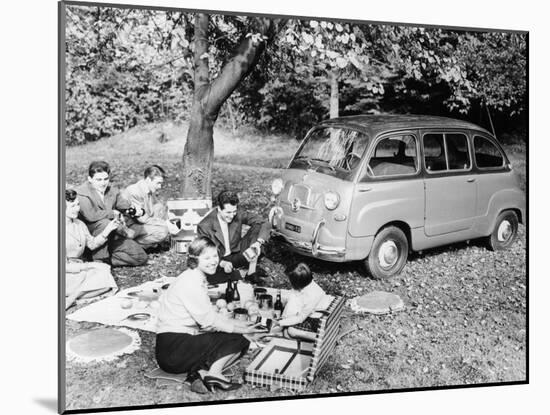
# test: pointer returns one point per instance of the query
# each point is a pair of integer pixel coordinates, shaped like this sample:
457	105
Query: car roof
377	124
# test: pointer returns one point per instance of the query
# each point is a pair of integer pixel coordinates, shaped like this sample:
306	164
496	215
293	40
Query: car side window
487	154
393	156
446	152
457	151
434	152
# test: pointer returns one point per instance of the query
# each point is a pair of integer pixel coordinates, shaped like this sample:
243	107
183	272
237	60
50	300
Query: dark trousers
126	252
184	353
236	258
119	250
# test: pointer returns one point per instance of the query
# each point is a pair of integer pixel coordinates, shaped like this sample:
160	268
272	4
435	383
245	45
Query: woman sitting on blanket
84	279
191	336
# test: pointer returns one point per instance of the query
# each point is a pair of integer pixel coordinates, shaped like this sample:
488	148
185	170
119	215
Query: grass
465	315
141	145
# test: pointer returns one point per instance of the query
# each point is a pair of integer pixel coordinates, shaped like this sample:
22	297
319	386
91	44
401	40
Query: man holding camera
153	227
223	225
100	203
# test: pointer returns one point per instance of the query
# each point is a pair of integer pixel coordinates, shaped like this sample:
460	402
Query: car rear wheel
388	254
505	231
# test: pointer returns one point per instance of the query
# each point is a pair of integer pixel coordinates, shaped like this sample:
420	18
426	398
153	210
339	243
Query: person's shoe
253	279
261	272
213	382
152	249
257	277
197	384
165	245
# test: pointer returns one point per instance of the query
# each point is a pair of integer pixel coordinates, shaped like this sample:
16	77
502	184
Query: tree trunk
334	94
198	155
208	98
199	146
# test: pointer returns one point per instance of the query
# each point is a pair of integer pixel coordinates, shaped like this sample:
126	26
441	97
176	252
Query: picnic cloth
109	311
142	298
377	302
103	344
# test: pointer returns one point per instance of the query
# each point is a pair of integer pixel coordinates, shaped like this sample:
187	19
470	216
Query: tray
283	363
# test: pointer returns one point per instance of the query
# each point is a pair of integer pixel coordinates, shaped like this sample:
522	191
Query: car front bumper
313	248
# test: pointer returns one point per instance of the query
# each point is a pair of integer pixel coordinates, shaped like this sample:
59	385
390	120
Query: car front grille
300	192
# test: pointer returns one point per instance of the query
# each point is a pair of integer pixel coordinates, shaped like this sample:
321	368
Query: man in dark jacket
99	203
223	225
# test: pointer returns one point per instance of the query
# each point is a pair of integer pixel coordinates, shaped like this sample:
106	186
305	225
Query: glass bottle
278	306
236	295
229	292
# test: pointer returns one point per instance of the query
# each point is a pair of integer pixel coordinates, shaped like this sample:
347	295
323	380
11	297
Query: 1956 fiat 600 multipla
374	187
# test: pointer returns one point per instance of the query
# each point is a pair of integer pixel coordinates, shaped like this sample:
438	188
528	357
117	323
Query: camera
131	211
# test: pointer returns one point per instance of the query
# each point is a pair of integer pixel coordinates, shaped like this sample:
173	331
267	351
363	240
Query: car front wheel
388	254
504	232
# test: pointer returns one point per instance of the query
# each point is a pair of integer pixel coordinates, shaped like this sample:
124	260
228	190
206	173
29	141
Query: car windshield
336	151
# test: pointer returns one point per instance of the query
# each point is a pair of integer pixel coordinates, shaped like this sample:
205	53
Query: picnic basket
293	363
189	212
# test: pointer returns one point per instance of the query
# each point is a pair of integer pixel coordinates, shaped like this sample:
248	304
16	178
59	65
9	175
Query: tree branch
242	63
202	78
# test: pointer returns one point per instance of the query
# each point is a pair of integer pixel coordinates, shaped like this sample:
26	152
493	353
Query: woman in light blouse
191	336
83	279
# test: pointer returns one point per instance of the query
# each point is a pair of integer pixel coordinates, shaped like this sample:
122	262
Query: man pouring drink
223	225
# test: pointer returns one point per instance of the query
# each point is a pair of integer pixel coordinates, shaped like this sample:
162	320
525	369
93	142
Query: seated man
153	227
100	203
223	225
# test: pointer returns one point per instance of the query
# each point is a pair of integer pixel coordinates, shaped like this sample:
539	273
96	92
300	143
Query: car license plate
293	228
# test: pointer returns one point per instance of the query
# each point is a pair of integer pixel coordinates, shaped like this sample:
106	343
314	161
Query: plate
139	316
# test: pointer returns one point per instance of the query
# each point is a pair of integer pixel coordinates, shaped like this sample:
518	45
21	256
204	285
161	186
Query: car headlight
277	186
332	200
275	216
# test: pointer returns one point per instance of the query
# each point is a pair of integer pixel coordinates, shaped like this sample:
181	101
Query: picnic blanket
142	298
102	344
143	313
377	302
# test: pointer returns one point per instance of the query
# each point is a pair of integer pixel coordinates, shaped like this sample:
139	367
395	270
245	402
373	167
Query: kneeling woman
192	337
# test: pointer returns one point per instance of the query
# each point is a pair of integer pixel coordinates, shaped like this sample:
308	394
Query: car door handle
471	180
365	189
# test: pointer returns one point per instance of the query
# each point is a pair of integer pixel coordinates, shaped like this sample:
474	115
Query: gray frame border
61	329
